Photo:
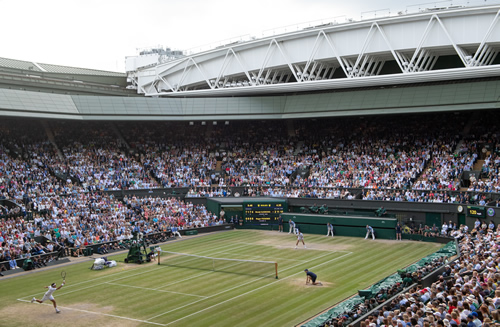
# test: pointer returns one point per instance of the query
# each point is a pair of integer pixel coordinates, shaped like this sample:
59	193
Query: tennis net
234	266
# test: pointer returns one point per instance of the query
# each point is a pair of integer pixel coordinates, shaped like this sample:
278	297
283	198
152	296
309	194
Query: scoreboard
478	212
263	213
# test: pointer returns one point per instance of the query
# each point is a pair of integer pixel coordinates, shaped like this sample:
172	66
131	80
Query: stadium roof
40	77
434	45
49	68
460	95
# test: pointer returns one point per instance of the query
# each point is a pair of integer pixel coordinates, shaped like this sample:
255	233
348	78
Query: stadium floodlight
191	123
227	122
214	123
203	122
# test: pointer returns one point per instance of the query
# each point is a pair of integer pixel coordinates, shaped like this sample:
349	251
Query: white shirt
50	291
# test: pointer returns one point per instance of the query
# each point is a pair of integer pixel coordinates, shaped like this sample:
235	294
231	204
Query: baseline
99	313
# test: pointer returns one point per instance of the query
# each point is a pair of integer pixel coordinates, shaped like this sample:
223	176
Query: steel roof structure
443	60
454	43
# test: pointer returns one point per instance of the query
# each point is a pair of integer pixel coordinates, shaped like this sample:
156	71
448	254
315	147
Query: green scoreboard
263	212
478	212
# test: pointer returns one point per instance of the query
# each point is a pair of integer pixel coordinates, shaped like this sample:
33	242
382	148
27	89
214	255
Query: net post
159	255
276	268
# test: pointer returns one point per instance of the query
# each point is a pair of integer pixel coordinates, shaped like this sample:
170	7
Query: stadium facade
372	67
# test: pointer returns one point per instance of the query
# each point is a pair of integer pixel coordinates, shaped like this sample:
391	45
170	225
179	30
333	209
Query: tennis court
191	294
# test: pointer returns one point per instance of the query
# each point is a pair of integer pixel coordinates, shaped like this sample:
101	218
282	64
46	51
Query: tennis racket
63	275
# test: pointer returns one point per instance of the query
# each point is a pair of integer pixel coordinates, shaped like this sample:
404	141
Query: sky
100	34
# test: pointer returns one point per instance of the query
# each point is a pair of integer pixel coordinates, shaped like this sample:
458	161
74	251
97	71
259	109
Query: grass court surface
160	295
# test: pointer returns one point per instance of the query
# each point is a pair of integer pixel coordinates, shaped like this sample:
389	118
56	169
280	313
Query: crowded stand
77	221
169	212
466	293
265	156
98	159
174	158
388	159
24	174
54	169
488	143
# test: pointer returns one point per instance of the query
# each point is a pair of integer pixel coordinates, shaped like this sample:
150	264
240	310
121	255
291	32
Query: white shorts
45	298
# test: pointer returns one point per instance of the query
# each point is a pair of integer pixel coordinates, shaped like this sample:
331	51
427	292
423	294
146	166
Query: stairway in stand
52	139
478	165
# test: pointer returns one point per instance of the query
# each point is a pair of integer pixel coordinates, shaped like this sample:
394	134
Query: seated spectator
13	264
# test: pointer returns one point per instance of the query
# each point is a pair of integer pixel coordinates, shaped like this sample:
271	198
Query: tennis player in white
329	229
291	224
300	238
48	295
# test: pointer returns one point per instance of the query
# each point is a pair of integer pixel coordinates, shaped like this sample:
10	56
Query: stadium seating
56	170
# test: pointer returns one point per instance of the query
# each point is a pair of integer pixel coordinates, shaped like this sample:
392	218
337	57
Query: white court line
99	313
139	273
258	288
108	276
192	277
261	256
195	276
310	248
230	289
292	247
98	284
153	289
113	274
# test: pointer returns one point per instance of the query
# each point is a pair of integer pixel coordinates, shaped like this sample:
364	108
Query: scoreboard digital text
263	213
